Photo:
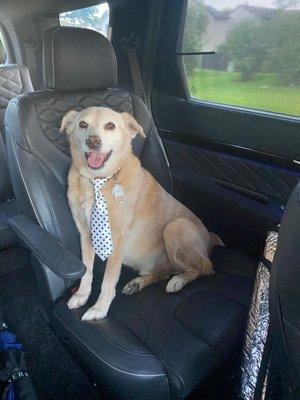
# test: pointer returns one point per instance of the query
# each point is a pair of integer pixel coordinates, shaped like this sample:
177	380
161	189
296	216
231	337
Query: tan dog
151	231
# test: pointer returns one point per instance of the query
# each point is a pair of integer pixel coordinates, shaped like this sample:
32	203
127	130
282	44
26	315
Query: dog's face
100	139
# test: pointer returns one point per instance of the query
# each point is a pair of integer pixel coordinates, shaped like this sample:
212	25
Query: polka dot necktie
100	228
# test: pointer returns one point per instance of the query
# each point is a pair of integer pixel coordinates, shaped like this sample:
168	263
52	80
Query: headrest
76	58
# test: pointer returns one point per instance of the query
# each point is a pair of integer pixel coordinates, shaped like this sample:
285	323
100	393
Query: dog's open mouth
96	160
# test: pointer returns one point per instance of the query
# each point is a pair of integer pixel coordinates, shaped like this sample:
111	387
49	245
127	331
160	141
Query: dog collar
117	190
114	177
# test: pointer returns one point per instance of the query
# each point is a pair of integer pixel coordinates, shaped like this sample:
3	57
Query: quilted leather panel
273	183
51	109
10	84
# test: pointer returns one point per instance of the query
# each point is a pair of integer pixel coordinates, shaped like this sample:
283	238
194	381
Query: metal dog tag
118	192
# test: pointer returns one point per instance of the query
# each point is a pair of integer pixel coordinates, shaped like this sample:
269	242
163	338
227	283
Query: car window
248	53
94	17
2	51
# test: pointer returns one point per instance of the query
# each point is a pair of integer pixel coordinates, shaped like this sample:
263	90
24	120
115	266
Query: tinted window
95	17
2	51
250	53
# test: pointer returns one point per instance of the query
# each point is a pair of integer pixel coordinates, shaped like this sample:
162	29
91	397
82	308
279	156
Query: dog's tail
215	240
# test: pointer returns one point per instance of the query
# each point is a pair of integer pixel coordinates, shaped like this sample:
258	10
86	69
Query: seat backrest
80	71
285	302
14	80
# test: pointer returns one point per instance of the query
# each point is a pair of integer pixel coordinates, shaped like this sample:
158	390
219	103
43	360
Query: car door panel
264	183
234	168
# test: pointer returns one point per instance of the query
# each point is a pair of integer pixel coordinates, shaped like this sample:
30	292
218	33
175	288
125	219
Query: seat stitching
46	193
214	292
14	142
196	334
121	347
104	361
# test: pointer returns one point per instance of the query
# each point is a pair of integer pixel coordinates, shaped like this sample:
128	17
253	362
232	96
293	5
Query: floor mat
13	258
54	373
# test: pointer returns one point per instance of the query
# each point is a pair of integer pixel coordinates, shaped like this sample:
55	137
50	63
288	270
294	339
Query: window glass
95	17
250	53
2	51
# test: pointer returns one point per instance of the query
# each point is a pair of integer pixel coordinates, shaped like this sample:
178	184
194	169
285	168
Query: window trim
245	110
179	58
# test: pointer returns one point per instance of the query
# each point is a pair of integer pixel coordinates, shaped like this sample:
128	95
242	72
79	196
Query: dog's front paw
77	300
94	313
133	286
175	284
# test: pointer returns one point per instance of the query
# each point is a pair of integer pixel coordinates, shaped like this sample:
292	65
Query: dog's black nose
93	142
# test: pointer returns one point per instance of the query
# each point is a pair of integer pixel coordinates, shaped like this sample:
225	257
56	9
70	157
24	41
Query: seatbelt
130	46
31	61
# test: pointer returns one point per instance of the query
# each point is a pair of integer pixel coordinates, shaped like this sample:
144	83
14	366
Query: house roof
218	14
263	12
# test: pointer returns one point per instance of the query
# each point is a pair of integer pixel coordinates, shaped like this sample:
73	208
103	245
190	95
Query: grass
263	92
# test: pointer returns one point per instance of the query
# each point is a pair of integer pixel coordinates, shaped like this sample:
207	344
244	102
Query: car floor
54	373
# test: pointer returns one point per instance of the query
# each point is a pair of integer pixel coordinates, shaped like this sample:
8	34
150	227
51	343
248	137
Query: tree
283	52
245	47
195	25
284	4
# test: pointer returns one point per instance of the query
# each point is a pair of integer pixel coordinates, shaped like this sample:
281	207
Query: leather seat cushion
176	339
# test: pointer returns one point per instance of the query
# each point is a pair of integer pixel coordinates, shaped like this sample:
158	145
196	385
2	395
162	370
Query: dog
151	231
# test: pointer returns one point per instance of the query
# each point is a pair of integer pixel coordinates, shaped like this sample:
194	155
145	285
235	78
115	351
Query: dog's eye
110	126
83	125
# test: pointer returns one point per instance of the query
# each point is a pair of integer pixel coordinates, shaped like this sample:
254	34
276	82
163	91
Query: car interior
222	136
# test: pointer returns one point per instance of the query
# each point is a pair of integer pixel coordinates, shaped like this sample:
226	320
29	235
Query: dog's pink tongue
95	159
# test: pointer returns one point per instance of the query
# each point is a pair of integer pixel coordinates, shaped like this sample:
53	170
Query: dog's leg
108	287
139	283
187	246
179	281
80	298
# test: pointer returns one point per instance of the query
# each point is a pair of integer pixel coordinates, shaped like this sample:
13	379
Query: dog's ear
67	120
133	126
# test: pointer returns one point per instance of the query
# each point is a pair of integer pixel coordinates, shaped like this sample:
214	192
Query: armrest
49	250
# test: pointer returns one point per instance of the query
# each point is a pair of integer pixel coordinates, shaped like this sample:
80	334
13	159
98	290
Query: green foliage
283	53
263	92
195	26
246	48
267	46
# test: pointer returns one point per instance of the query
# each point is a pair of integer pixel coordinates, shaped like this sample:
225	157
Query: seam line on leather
104	361
14	143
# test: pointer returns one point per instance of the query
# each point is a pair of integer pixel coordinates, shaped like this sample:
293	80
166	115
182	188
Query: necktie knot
97	185
99	182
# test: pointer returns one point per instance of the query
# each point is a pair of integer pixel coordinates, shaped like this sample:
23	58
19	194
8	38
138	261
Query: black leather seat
152	345
14	80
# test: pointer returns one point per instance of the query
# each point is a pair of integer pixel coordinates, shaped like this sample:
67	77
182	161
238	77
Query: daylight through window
94	17
2	51
250	53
